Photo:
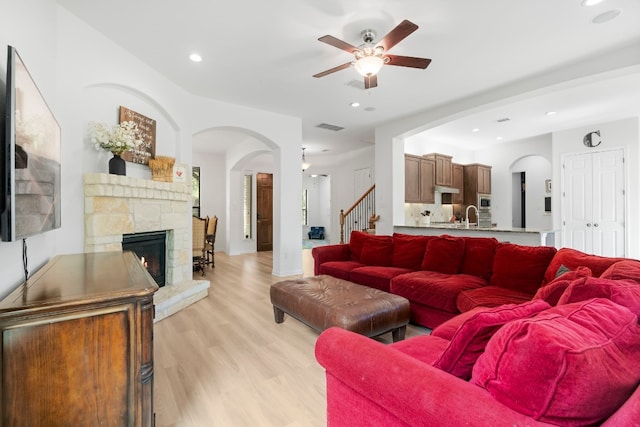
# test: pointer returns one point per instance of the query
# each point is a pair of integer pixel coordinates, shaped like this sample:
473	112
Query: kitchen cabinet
444	171
477	180
77	344
419	179
457	182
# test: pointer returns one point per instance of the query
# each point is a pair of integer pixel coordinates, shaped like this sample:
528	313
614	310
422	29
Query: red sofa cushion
572	259
478	256
521	268
448	328
444	254
628	269
490	296
377	250
408	250
623	292
469	341
339	269
571	365
434	289
551	292
375	276
425	348
356	243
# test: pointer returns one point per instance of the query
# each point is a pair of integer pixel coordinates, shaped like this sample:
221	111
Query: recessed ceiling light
591	2
550	113
195	57
499	138
475	130
355	104
606	16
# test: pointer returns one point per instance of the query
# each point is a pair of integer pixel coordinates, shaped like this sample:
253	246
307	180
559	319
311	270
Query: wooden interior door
264	212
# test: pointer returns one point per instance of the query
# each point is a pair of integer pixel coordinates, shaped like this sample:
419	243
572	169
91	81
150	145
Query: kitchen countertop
472	226
523	236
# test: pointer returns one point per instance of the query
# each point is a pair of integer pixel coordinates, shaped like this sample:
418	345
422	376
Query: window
305	220
195	190
247	212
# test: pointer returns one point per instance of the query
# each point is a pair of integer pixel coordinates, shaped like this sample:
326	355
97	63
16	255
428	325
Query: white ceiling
263	54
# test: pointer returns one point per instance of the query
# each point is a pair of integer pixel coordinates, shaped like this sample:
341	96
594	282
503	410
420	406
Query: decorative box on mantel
115	205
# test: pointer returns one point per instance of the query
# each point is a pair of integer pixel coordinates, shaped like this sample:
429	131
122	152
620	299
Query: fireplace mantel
115	205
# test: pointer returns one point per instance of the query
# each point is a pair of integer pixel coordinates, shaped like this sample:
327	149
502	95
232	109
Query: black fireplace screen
151	249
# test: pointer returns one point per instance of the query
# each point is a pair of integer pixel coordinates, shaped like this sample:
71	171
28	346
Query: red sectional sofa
568	357
443	276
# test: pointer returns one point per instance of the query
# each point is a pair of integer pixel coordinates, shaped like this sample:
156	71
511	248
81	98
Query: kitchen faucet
466	221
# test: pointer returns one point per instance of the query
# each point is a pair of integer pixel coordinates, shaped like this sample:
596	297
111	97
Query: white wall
213	190
343	184
318	203
537	170
30	26
618	134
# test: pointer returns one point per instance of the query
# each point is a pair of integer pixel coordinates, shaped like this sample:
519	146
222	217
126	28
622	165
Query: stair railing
361	216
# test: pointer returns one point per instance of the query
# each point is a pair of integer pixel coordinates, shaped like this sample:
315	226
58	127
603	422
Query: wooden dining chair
199	253
212	227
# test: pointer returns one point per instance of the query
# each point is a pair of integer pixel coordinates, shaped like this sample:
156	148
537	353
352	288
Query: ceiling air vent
504	119
327	126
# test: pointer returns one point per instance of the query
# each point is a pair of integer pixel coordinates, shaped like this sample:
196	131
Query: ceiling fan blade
408	61
398	34
330	40
370	81
333	70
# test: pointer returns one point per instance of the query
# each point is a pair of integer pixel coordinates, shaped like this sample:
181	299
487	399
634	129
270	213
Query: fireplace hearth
150	247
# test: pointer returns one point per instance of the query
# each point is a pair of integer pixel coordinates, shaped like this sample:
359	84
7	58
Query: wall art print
147	128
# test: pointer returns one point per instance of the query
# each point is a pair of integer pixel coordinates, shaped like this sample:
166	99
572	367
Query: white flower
120	138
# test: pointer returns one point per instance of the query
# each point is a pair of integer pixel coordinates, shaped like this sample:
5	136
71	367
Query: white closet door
594	203
577	202
608	204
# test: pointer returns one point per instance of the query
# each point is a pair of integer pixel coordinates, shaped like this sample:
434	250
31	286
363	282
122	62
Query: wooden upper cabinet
427	177
411	179
484	179
444	171
419	176
458	182
477	180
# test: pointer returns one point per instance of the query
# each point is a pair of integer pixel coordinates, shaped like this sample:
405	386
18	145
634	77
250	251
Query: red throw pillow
623	292
572	365
356	243
552	292
444	255
408	251
573	259
478	256
469	341
628	269
377	250
520	268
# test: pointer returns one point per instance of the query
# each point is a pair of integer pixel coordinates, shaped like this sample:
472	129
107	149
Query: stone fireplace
117	205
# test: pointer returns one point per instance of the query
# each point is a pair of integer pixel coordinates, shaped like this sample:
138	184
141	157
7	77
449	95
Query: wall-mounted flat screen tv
29	157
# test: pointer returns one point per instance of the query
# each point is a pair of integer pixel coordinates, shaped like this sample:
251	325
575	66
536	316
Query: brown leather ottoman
324	301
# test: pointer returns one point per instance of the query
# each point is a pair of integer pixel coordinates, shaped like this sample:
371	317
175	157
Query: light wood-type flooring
223	361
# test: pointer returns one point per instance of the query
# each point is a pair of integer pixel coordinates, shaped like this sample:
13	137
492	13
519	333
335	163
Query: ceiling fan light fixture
369	65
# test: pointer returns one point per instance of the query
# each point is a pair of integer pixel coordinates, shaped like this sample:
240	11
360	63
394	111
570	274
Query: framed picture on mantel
147	128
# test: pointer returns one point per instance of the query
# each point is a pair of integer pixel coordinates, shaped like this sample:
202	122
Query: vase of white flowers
117	140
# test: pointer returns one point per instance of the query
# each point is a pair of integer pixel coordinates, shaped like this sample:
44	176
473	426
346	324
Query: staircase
361	216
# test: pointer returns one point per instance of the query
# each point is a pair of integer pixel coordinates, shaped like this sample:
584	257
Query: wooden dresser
77	344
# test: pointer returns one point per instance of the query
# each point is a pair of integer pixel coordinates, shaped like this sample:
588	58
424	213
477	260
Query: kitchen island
520	236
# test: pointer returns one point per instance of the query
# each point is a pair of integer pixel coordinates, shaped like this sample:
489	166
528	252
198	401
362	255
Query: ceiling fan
370	57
